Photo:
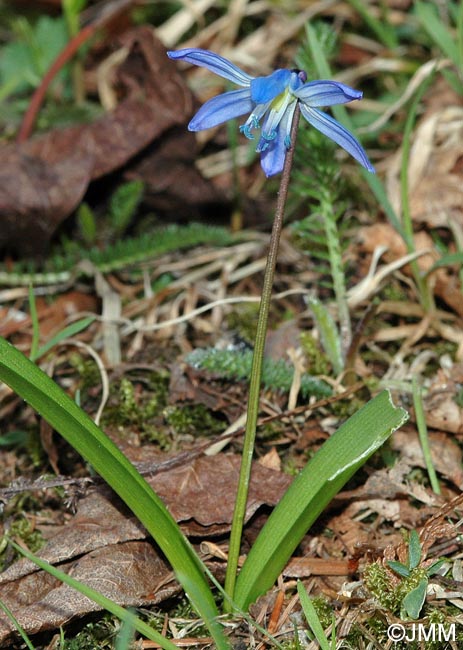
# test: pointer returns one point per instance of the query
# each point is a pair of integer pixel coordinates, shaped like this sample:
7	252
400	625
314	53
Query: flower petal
332	129
326	93
264	89
273	156
221	108
213	62
277	113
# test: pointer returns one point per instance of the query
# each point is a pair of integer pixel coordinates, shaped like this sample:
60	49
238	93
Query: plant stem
425	294
256	372
423	435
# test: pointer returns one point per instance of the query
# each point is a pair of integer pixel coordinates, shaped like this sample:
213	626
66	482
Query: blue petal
326	93
213	62
264	89
221	108
273	156
332	129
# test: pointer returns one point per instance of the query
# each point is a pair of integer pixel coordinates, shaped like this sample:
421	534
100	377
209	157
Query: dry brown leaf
302	567
200	496
435	176
441	408
446	454
97	545
129	574
445	284
44	179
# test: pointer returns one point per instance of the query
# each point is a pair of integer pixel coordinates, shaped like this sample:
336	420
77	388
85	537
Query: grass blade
66	333
342	116
427	13
423	435
21	631
57	408
382	28
325	474
328	334
312	617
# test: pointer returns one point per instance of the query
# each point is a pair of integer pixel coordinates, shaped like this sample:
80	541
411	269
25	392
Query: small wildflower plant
270	103
273	104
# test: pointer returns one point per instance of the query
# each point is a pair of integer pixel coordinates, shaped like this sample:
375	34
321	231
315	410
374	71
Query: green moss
393	291
378	581
324	611
20	527
87	370
138	406
134	409
317	362
100	634
243	321
194	420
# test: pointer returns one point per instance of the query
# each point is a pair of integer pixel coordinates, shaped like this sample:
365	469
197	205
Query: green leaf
429	18
312	617
17	625
24	61
63	414
322	478
329	335
342	116
447	260
123	204
382	28
65	333
399	568
414	600
435	567
414	550
87	223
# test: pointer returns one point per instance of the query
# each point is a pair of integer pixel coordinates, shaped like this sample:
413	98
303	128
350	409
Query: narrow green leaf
399	568
427	13
21	631
65	333
105	603
342	116
414	550
35	323
325	474
329	335
382	28
435	567
423	435
414	600
447	260
57	408
312	617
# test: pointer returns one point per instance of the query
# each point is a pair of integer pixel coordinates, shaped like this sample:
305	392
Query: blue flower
270	103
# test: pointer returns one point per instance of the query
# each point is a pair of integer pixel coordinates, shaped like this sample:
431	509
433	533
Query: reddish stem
39	95
105	13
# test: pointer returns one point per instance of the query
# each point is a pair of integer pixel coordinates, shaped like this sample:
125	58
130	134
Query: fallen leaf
129	574
441	408
43	180
434	176
445	453
200	496
103	544
446	284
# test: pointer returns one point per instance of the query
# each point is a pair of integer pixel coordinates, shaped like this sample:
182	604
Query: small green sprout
416	577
